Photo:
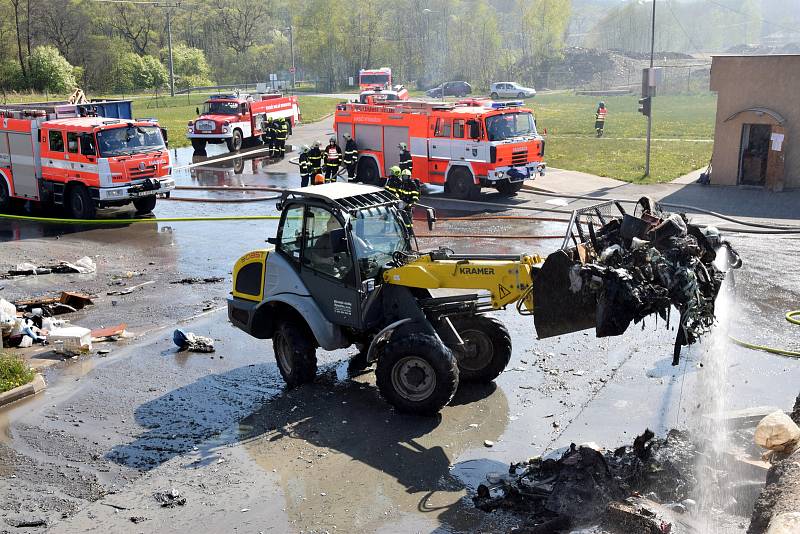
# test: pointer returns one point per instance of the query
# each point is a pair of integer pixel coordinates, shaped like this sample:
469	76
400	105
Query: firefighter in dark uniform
409	194
269	137
280	138
394	183
305	166
350	158
333	158
315	157
405	157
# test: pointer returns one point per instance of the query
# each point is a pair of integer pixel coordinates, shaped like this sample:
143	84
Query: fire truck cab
369	78
464	146
56	155
378	94
240	118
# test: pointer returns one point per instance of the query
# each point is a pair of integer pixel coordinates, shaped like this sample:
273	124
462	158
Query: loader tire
144	205
295	353
488	348
417	374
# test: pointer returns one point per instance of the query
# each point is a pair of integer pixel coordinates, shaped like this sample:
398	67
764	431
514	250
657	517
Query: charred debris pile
577	486
624	267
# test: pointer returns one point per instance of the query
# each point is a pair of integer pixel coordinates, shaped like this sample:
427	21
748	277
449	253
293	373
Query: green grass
571	141
14	372
175	112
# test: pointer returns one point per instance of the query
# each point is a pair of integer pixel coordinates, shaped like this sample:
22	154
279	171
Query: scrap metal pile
624	267
578	486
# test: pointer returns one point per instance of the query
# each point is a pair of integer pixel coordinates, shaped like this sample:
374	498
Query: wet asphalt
250	456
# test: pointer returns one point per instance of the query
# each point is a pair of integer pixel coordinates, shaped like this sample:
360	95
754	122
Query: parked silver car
510	90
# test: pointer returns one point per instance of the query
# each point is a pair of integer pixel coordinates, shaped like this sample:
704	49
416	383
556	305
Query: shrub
49	71
14	372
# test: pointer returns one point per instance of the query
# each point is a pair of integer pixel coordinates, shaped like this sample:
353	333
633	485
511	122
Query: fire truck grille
146	171
519	158
206	126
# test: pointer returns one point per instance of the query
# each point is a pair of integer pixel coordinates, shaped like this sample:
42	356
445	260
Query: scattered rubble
194	280
66	302
85	265
130	289
169	499
191	342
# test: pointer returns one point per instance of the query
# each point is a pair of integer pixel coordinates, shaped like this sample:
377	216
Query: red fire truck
62	154
369	78
464	146
236	119
377	94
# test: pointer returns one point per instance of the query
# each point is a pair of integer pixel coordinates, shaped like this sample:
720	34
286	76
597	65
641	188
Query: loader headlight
224	129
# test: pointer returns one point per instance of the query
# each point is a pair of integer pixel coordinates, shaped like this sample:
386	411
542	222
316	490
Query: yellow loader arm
507	280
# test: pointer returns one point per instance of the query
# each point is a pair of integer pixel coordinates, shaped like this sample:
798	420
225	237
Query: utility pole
169	46
291	52
650	115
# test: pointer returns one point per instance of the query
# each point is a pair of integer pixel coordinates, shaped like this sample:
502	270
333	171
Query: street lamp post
650	115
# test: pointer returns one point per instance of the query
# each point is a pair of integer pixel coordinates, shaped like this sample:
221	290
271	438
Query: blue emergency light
509	104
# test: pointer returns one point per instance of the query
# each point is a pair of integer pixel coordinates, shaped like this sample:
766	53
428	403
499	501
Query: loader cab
339	238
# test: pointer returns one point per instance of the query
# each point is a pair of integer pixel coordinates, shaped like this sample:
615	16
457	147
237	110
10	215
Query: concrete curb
31	388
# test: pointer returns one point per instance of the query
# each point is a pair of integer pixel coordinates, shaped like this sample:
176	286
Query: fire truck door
392	137
440	143
19	146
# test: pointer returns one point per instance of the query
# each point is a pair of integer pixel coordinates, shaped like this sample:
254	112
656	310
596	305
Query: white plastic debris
71	339
777	432
84	265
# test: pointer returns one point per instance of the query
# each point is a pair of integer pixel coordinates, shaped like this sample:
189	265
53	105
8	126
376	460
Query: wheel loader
344	270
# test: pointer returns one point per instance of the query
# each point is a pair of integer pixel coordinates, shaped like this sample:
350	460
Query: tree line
55	45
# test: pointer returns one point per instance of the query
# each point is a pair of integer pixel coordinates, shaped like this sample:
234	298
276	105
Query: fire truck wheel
79	203
235	142
508	189
199	145
5	196
460	184
494	96
144	205
368	172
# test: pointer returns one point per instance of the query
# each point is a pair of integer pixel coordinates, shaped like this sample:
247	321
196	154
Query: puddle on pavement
347	461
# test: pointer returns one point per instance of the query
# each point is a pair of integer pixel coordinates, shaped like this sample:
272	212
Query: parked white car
511	90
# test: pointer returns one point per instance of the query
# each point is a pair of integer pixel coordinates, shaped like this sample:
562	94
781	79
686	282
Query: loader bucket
557	308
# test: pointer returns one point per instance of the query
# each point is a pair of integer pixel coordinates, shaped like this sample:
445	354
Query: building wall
744	82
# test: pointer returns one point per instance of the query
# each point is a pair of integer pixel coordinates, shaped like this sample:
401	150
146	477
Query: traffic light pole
649	95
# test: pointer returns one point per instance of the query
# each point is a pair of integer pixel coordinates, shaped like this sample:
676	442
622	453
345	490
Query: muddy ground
250	456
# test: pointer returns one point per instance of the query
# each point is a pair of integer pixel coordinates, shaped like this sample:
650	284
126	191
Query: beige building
757	133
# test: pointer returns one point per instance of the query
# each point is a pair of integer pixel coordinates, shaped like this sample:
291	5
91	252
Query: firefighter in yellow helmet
394	183
409	194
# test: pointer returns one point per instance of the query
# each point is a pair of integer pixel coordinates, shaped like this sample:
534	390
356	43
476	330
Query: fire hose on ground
794	318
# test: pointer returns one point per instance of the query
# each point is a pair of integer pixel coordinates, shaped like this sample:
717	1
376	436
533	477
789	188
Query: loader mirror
338	241
431	215
474	129
197	111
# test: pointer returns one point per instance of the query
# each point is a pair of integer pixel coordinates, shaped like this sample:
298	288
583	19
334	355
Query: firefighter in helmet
405	157
315	157
394	183
269	137
409	194
305	166
282	132
333	158
350	158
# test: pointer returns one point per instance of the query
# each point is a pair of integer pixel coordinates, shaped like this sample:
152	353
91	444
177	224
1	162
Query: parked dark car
457	88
